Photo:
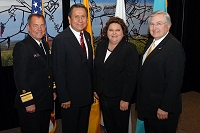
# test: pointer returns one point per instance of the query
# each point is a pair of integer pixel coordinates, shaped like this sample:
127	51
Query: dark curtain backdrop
191	40
66	6
175	10
185	27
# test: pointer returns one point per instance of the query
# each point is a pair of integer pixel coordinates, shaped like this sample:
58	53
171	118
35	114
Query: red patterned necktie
82	43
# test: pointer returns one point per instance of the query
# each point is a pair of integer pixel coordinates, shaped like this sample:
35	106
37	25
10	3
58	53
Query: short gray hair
36	15
165	15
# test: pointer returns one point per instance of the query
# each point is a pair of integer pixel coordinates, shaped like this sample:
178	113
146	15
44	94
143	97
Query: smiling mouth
39	33
115	36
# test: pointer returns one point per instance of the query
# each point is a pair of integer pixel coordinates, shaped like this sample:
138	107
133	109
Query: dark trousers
37	122
75	119
115	120
161	126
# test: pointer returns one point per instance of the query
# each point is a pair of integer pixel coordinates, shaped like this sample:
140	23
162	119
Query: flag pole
43	13
88	28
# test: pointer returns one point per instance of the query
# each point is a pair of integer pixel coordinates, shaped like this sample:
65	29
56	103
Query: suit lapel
36	46
102	51
75	42
87	38
156	50
113	56
47	50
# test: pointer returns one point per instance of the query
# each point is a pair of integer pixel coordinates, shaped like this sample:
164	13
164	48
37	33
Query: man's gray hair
165	15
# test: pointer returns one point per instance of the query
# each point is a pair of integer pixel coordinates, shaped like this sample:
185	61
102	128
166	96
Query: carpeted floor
189	121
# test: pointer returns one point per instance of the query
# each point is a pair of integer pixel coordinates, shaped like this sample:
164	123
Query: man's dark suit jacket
160	79
116	77
32	73
72	70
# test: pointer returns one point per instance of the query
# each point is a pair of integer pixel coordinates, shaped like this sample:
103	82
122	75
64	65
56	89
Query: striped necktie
42	47
82	43
150	49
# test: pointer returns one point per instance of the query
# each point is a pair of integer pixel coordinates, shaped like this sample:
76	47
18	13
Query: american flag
36	7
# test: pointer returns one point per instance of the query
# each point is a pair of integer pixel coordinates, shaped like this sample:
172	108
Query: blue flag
160	5
36	7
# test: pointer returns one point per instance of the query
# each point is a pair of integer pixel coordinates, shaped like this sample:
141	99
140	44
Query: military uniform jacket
33	75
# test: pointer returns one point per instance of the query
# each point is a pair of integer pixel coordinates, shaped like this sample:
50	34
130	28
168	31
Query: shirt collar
159	40
38	42
75	32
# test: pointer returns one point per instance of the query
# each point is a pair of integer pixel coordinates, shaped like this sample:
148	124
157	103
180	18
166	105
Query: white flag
120	10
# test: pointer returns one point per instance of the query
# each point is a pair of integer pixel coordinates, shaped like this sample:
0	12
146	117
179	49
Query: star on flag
37	7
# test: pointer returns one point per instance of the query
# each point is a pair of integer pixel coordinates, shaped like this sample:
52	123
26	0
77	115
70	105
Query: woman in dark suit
115	75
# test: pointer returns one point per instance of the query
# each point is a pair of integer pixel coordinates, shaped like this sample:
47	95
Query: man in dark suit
33	78
73	71
160	77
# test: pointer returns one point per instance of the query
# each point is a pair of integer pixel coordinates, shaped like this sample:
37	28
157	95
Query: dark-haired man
72	63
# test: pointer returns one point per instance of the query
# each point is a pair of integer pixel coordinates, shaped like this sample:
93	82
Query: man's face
37	28
78	19
158	27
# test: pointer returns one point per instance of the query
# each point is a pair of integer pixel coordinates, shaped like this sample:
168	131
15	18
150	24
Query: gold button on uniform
49	77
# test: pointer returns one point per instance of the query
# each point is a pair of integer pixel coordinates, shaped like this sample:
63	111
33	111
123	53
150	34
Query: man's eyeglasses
158	24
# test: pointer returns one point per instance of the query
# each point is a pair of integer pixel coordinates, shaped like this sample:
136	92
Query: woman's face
115	33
